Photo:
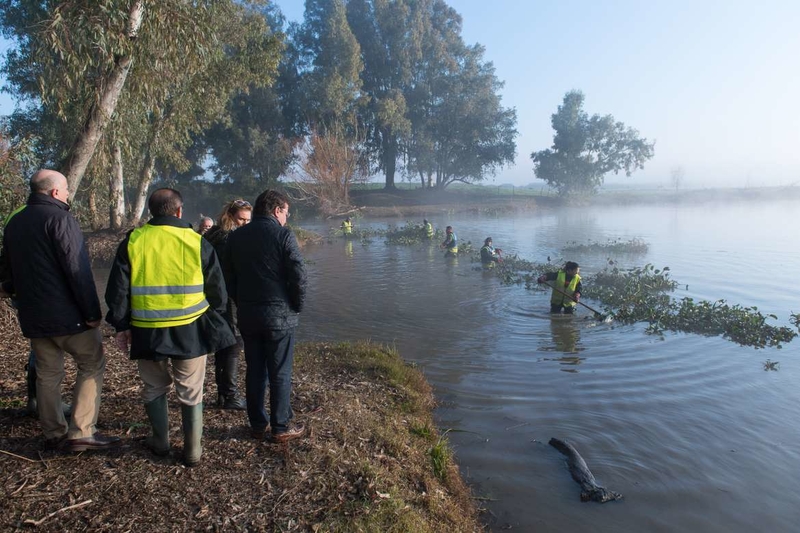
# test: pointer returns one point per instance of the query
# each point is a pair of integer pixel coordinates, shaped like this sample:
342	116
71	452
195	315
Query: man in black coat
166	296
266	278
46	268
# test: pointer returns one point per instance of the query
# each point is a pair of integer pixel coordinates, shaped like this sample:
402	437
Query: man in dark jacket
165	297
267	280
46	268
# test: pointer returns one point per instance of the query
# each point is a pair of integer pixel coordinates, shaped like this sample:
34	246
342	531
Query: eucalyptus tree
183	62
330	69
254	142
73	54
586	148
390	36
460	130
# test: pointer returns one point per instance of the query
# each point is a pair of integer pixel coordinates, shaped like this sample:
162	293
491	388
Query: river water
694	431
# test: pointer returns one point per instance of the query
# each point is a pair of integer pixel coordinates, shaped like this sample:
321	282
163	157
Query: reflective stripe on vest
166	276
558	298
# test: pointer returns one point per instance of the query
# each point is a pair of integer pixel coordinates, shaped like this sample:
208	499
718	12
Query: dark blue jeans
269	355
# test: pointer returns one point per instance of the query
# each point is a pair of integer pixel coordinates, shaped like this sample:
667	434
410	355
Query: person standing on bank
205	224
46	269
166	297
568	283
267	280
235	214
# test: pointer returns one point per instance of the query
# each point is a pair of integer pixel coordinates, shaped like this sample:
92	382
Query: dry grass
365	466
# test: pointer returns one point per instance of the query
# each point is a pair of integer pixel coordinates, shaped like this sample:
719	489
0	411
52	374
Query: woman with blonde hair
235	214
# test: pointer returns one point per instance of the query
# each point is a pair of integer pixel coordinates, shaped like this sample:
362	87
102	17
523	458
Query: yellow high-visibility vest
166	276
557	298
347	227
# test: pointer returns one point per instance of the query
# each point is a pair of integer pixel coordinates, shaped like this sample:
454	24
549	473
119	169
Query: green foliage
187	59
641	295
440	456
615	246
585	149
411	234
17	163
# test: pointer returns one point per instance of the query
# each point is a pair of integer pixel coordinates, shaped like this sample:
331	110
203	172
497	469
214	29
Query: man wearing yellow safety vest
166	298
450	242
566	284
347	227
427	227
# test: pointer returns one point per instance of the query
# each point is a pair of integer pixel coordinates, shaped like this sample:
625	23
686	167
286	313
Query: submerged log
590	490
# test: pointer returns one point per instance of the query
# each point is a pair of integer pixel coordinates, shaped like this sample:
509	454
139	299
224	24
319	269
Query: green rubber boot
158	414
192	433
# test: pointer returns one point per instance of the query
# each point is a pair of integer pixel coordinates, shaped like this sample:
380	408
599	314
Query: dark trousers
269	355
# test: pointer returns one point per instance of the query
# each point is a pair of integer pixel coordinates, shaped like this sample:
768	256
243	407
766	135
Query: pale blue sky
715	83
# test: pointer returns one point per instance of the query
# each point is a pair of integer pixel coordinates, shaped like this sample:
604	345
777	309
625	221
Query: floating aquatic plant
641	295
631	246
411	234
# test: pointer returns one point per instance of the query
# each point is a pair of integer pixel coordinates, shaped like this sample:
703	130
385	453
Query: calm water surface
692	430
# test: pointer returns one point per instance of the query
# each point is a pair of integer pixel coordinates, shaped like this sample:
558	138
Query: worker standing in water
489	254
347	227
427	227
450	243
566	284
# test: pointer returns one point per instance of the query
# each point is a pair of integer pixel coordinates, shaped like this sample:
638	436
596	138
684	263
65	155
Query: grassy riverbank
373	460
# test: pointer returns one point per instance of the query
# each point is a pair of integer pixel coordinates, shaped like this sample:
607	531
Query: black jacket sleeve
296	278
5	271
118	290
214	282
71	253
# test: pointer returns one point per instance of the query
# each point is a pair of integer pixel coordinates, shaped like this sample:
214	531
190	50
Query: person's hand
123	340
93	323
541	279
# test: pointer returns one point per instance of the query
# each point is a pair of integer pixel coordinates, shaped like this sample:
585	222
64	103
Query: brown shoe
294	432
95	442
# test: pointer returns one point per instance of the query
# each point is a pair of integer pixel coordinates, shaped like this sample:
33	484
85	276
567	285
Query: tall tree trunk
116	194
145	179
100	113
390	159
93	217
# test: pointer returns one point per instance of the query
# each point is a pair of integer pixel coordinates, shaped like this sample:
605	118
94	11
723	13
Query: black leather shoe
55	444
294	432
95	442
233	402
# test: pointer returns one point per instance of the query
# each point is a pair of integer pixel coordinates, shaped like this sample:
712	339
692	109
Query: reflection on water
690	429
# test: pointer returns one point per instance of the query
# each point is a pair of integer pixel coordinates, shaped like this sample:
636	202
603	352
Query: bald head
45	180
165	202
